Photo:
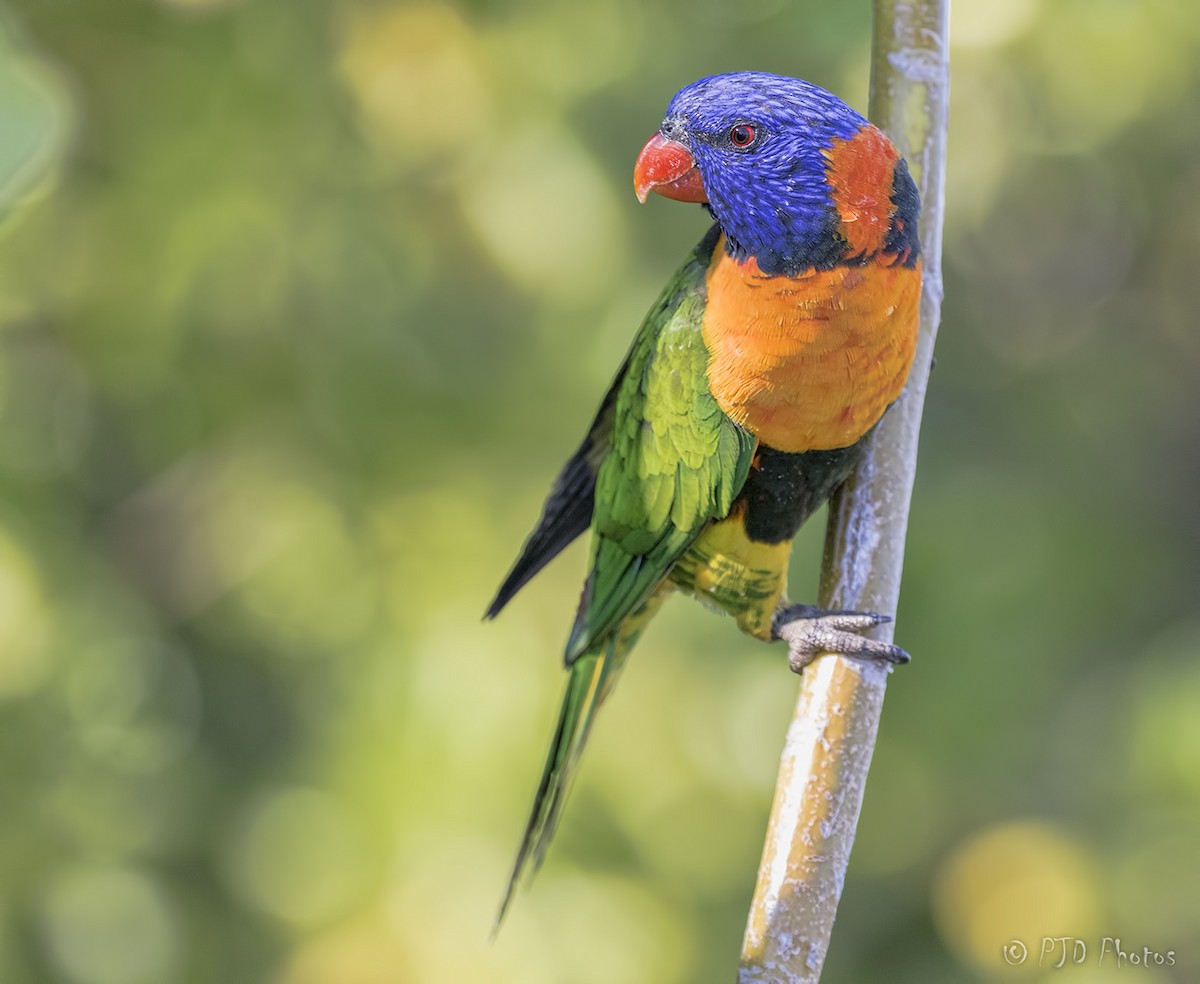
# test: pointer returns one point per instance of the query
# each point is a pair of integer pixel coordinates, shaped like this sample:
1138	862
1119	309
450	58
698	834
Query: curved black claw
810	631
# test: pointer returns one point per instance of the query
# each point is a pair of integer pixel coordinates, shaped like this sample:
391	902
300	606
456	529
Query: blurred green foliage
301	305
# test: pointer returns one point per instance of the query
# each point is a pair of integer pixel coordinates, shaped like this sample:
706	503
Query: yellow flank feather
735	574
809	362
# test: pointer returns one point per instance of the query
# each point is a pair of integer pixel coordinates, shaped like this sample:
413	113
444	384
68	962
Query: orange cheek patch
860	176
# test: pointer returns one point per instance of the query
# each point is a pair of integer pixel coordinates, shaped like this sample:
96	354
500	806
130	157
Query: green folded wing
676	461
672	462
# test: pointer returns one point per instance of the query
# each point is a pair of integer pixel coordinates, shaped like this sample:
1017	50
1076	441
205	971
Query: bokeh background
301	306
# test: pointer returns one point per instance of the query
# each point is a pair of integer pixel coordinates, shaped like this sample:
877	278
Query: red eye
742	135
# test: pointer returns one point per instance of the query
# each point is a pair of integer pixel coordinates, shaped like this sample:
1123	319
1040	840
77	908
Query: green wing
676	461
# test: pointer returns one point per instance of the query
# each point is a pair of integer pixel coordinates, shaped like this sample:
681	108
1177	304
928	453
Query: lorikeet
747	394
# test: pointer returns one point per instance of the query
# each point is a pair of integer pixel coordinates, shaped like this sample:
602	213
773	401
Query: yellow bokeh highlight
38	120
979	24
1165	745
363	951
230	253
109	925
1023	880
1100	66
982	106
444	896
546	214
200	6
298	856
418	78
542	47
24	660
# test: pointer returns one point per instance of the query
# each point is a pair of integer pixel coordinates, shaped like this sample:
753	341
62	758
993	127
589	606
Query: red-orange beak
668	168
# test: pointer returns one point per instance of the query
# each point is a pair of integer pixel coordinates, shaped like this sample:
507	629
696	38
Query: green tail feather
592	676
585	686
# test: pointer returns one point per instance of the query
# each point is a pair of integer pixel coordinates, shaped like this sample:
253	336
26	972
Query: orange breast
809	363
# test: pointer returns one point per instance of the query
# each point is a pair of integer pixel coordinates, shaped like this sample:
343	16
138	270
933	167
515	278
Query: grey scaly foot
809	631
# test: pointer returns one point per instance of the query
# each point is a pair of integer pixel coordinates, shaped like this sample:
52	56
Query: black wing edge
568	508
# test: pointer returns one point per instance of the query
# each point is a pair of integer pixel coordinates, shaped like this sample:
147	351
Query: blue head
763	147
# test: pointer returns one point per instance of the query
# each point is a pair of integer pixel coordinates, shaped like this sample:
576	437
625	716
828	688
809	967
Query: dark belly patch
783	489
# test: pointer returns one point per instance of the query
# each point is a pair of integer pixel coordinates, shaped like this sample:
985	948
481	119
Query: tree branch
823	771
